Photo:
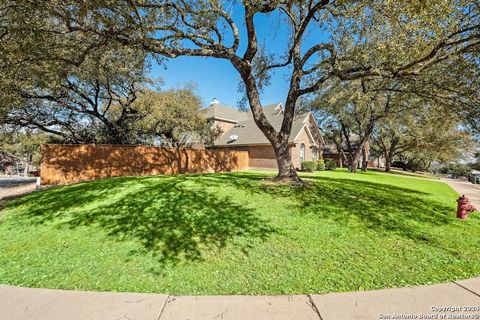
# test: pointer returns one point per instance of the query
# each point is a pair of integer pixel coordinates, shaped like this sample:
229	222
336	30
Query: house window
302	153
314	153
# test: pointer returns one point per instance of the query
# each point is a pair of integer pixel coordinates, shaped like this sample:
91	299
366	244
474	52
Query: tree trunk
359	150
355	158
364	161
286	169
388	159
361	146
364	158
356	155
428	165
388	164
340	160
389	153
278	139
25	170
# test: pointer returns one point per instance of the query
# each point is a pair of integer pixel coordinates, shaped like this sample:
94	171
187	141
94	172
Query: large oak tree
428	134
431	32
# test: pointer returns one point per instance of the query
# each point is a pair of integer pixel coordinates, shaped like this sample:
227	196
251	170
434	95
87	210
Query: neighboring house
239	132
339	156
342	156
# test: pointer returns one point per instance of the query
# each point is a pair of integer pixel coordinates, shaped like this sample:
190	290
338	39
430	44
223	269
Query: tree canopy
81	88
387	42
424	136
20	147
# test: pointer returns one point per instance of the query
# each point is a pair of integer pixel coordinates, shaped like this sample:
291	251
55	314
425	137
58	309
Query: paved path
38	304
471	191
14	186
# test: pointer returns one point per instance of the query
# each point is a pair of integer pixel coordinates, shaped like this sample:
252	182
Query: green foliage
85	89
429	134
76	101
376	50
455	169
222	233
309	166
476	163
436	95
330	164
23	145
320	165
171	118
62	81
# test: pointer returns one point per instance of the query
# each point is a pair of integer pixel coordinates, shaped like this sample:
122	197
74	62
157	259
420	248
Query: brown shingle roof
246	130
221	111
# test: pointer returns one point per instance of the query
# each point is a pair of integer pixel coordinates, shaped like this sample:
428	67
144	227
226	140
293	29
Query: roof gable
315	130
305	129
246	132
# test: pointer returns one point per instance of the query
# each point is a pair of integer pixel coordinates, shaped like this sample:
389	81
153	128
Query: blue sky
217	78
214	78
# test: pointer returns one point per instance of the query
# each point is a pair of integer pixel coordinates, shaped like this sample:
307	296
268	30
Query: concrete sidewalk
453	300
471	191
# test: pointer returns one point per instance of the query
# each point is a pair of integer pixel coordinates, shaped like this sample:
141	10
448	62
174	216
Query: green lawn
236	234
408	173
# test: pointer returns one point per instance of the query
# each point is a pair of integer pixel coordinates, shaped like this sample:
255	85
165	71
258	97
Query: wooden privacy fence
64	164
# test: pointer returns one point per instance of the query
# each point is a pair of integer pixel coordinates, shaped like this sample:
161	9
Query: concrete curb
454	300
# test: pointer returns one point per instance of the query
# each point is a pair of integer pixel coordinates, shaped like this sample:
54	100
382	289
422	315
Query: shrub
309	166
330	164
399	164
321	165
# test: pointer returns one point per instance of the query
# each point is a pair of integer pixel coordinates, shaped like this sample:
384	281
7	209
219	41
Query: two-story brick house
239	132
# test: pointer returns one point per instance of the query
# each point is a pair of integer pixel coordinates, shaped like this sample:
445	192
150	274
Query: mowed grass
238	234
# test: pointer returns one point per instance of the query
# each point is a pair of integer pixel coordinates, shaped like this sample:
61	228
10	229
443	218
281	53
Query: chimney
214	101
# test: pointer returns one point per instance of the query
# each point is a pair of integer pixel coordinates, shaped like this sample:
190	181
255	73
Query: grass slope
236	234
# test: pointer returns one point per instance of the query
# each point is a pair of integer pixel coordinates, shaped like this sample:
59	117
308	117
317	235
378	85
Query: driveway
471	191
14	186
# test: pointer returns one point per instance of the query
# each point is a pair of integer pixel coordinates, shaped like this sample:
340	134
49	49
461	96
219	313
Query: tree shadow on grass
171	217
182	216
385	209
379	207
